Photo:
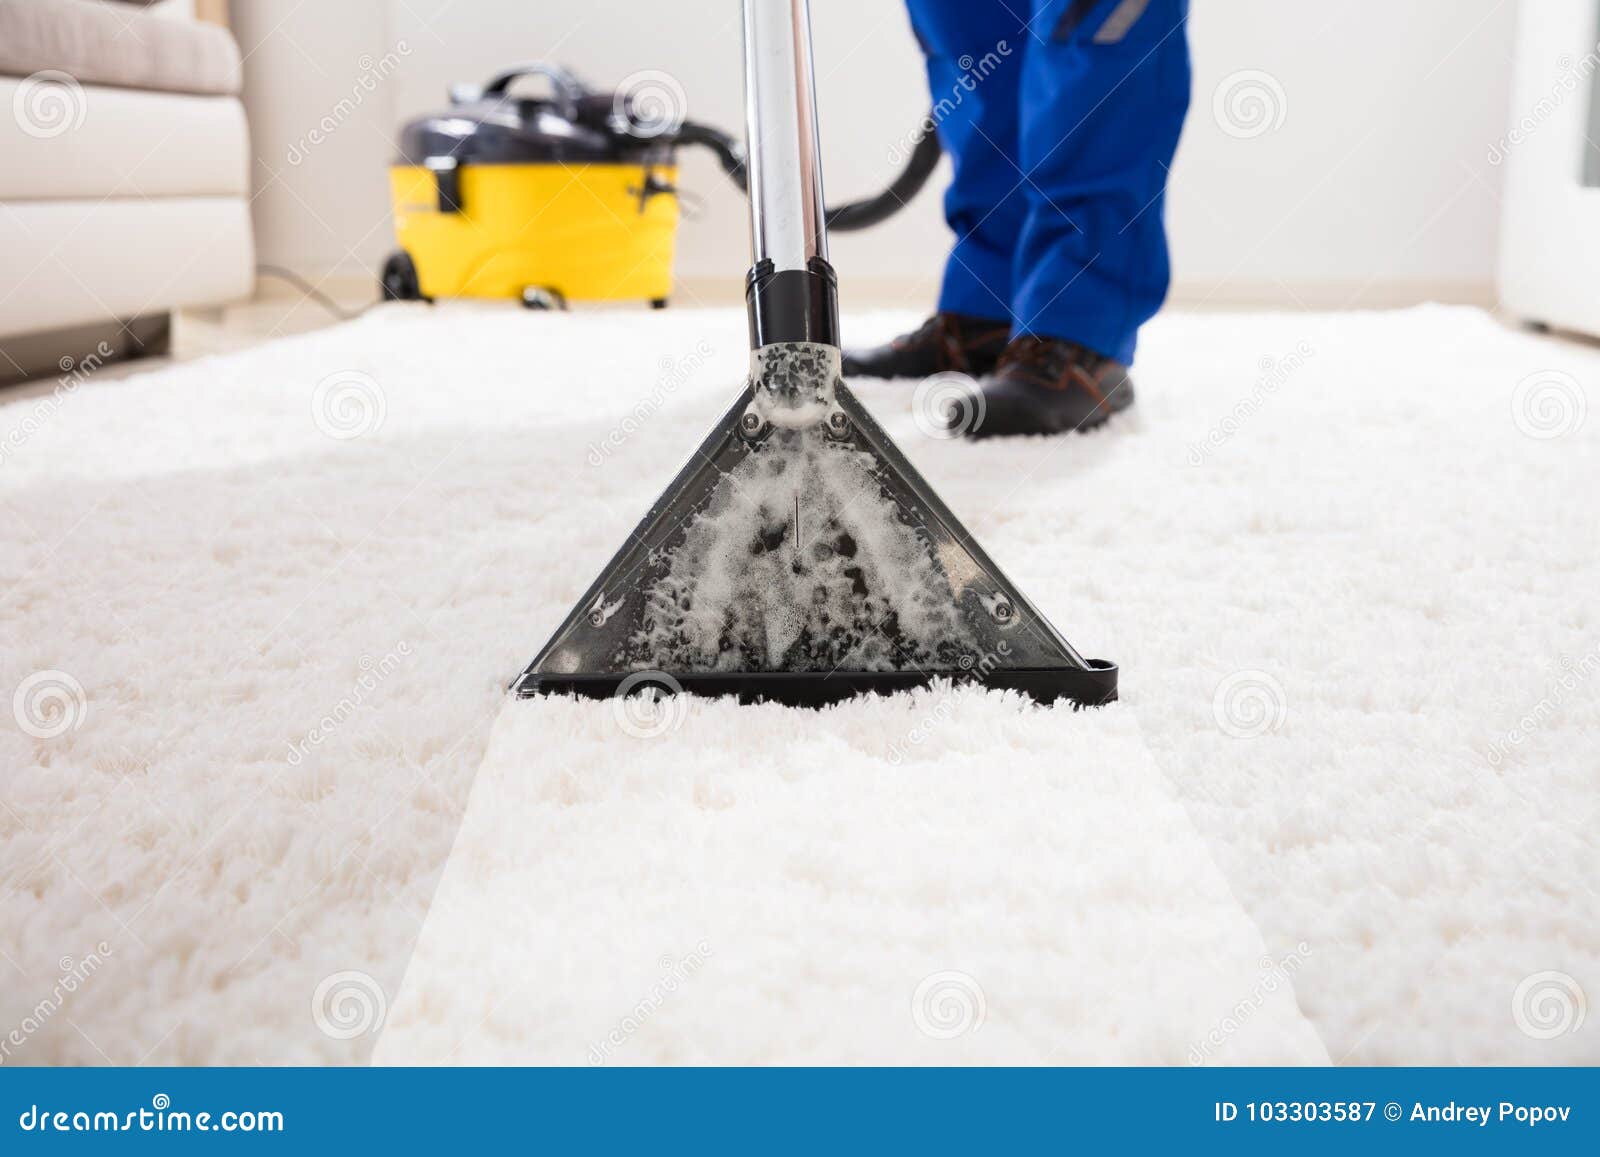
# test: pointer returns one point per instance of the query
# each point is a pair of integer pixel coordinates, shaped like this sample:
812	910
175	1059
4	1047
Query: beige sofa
124	175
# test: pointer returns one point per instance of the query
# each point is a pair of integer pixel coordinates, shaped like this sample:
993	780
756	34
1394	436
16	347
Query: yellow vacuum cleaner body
545	200
566	197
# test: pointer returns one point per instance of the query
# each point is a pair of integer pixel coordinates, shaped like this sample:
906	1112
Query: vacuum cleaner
798	557
561	197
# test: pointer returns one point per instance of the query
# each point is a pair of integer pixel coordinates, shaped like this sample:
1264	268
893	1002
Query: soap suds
800	561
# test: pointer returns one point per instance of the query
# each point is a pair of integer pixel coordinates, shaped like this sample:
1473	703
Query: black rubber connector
793	304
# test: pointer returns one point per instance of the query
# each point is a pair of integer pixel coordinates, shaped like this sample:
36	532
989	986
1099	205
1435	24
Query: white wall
1375	187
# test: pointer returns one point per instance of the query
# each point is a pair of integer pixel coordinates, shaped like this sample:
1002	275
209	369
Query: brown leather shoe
944	343
1045	386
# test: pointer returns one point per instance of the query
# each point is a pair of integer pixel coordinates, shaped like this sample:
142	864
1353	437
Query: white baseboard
1328	295
919	294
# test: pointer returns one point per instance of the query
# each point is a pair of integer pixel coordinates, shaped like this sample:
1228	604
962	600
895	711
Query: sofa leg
149	336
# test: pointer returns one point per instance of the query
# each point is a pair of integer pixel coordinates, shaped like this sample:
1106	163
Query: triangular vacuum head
798	557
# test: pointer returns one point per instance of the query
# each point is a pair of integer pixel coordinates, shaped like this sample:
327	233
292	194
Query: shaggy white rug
942	878
259	613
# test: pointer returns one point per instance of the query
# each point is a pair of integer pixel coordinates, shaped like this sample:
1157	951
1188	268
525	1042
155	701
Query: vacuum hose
852	215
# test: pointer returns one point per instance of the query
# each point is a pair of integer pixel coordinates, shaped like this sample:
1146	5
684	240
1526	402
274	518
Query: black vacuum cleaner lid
517	130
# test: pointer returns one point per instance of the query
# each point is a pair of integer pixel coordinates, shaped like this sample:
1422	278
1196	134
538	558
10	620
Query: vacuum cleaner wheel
543	297
399	278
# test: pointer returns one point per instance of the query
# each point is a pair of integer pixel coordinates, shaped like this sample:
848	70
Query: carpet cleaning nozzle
799	557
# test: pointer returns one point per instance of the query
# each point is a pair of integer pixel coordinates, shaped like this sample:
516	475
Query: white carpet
943	878
292	648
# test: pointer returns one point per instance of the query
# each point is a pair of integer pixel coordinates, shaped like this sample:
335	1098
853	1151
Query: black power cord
311	291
